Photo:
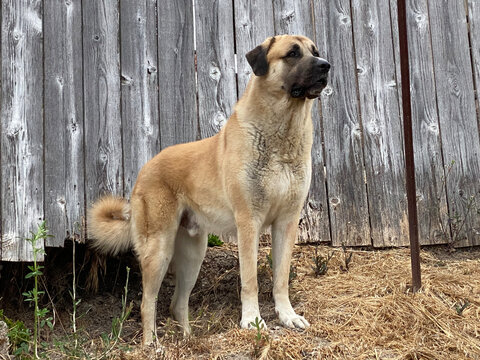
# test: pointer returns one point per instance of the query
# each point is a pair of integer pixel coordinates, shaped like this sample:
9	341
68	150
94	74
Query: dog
254	173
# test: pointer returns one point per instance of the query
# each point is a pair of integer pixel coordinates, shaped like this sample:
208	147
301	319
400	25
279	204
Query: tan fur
109	225
254	173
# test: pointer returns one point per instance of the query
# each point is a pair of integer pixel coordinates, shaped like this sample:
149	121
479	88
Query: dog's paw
253	323
292	320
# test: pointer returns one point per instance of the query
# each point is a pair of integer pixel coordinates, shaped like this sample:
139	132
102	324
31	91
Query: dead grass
365	313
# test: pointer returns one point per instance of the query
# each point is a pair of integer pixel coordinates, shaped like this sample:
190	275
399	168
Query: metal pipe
409	158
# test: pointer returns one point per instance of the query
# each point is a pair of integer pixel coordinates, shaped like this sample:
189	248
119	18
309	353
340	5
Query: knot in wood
151	68
219	120
433	128
334	202
214	72
345	20
373	128
314	205
327	91
288	16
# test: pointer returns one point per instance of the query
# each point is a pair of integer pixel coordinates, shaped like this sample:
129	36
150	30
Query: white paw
252	322
290	319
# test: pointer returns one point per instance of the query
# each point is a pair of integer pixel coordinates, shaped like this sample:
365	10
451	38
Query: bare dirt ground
364	312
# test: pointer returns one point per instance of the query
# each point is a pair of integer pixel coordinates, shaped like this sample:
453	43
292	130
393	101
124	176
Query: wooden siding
92	89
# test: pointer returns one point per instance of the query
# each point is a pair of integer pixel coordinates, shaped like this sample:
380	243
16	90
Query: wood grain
342	127
176	61
63	114
253	24
215	44
21	126
295	17
457	115
382	125
103	137
429	174
139	84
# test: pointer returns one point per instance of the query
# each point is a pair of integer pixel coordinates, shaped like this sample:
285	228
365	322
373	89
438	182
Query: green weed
18	335
33	296
320	263
214	240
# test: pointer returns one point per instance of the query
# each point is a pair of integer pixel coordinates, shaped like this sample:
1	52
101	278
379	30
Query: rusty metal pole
409	159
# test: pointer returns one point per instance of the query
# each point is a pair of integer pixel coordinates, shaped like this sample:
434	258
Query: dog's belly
210	219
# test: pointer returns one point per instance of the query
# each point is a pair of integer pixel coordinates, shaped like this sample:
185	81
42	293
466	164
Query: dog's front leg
283	240
247	235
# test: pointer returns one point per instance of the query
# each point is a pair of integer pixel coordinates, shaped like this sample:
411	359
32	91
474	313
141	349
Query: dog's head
291	63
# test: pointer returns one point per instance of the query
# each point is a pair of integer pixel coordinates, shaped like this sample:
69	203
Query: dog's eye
293	54
315	53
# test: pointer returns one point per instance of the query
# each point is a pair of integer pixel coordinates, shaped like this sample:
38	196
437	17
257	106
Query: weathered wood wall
90	90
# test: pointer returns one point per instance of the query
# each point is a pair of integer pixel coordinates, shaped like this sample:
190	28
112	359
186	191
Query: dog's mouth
309	91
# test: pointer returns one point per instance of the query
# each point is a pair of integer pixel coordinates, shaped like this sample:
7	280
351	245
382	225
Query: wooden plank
21	126
177	95
458	121
295	17
253	24
217	90
382	125
141	140
103	145
431	199
63	112
474	22
342	127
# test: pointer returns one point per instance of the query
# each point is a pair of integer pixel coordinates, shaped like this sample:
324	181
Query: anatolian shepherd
254	173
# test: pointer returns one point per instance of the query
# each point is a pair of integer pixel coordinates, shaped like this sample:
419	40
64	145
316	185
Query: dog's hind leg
154	261
189	254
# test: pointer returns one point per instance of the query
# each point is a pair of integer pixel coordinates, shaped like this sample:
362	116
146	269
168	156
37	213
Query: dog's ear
257	58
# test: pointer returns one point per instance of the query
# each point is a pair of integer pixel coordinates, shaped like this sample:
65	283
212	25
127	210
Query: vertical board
253	24
139	84
295	17
474	22
103	139
63	113
21	126
217	91
382	125
458	122
342	127
176	60
429	175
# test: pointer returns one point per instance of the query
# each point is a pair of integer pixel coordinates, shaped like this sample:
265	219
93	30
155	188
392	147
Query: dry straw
366	312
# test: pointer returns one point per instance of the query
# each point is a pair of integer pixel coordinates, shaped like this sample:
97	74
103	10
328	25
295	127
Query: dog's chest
279	180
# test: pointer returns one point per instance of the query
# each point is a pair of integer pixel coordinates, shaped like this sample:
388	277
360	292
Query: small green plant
347	258
75	301
269	259
214	240
34	295
18	335
320	263
460	306
260	338
111	340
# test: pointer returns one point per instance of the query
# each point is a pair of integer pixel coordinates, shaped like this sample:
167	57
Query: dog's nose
322	65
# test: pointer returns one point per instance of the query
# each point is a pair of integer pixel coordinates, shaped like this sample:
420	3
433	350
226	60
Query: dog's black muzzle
310	78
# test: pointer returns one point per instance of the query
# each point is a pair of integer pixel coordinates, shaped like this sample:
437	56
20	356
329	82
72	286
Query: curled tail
109	225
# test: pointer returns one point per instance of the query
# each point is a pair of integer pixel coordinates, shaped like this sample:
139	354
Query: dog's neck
274	112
